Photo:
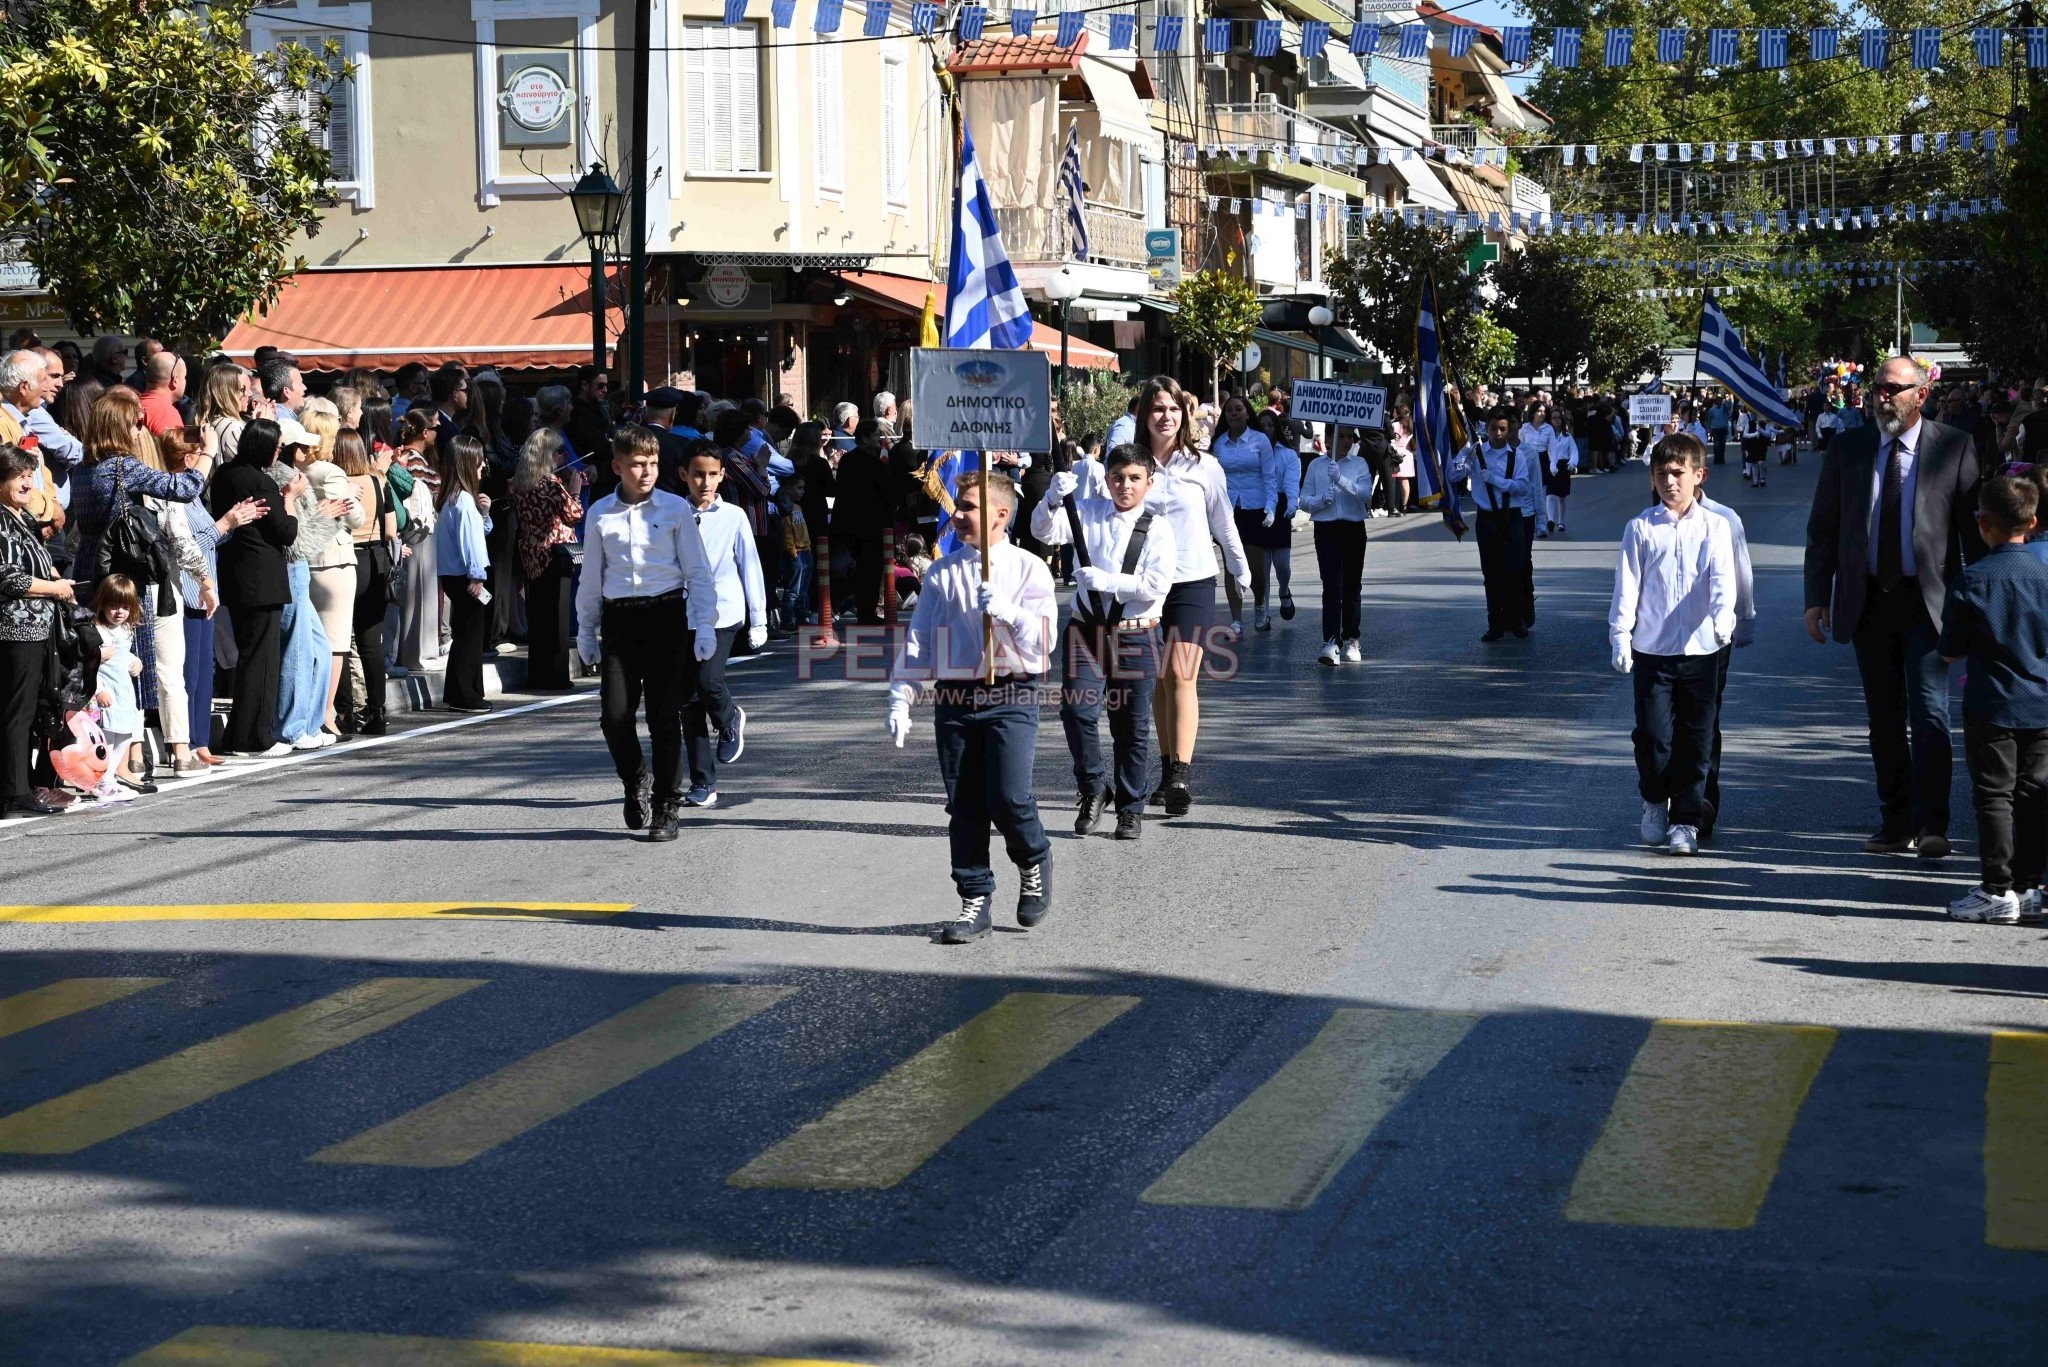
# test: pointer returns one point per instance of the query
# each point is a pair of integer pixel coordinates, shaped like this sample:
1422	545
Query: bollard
822	564
889	575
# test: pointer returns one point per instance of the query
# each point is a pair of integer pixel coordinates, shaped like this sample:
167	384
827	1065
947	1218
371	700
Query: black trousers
2009	785
645	642
1527	545
708	707
259	666
547	613
1720	446
1905	692
373	601
1726	657
986	739
1677	702
1505	566
1124	690
469	629
1340	563
865	558
21	683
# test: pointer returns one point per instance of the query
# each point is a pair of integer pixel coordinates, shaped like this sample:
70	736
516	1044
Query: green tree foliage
1492	354
1376	290
1219	312
1566	316
158	169
1092	404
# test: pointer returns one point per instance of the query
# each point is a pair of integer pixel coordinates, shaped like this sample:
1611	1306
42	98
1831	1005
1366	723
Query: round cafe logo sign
727	285
536	97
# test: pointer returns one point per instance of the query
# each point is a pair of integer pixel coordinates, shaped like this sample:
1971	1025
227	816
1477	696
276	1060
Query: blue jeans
985	757
1126	694
796	590
1905	692
308	658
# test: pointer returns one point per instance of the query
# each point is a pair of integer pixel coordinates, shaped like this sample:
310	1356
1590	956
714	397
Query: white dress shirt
944	639
735	564
1190	493
1909	477
1325	502
1564	451
1503	478
642	550
1674	584
1108	534
1745	576
1534	440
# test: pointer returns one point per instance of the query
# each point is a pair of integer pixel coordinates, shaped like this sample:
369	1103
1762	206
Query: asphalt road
1396	1049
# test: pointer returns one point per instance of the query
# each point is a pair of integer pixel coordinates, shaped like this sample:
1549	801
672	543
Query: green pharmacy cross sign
1482	255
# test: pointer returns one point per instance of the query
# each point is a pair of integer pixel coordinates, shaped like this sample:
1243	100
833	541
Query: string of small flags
1562	47
1546	224
1590	154
1689	292
1730	265
1843	282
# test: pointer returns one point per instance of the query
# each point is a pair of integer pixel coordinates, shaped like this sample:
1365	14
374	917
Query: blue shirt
1122	432
1996	617
1909	471
459	532
1248	468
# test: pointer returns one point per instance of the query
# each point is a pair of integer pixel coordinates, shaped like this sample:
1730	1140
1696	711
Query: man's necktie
1891	561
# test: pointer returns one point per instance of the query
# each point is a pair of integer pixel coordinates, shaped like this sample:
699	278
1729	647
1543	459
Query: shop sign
1162	257
727	285
534	99
17	276
1351	405
981	400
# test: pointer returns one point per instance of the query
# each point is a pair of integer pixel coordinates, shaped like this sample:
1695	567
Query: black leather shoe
1090	814
1179	796
1890	842
1034	893
374	726
637	799
970	925
1931	845
29	806
1492	634
668	823
1286	606
1130	825
1521	633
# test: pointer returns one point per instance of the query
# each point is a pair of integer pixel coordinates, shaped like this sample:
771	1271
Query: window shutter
745	58
894	187
719	92
696	70
341	123
826	102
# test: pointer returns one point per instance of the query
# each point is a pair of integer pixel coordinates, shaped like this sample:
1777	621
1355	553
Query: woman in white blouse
1190	494
1558	464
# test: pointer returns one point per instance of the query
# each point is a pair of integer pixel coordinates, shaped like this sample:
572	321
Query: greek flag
1414	42
879	12
828	17
1076	191
1671	44
1439	429
1771	47
1823	44
1926	49
985	306
924	18
1621	46
1022	21
1166	32
1724	46
735	12
973	19
1723	356
1990	46
1876	46
1514	42
1564	47
2037	48
784	13
1123	33
1216	35
1266	38
1315	35
1365	40
1073	22
1458	42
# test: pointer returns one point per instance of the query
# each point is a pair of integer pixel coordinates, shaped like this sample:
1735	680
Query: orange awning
514	317
906	294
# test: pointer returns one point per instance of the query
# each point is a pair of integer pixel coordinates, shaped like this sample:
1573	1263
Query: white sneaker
1352	654
1236	631
2030	905
311	741
1329	654
109	792
1683	840
279	750
1656	826
2000	908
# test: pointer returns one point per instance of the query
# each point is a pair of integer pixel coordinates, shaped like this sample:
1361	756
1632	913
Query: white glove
898	723
1348	485
1268	522
589	652
987	600
1062	487
1092	578
1244	584
756	637
1624	658
707	642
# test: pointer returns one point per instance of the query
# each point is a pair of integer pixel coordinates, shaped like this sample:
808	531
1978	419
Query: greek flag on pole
1216	35
1073	22
1076	191
1926	49
1876	46
1123	33
1621	46
1266	38
973	19
1564	47
828	17
1439	431
1724	46
879	12
1315	36
1723	356
1823	44
1414	42
1990	46
1771	47
1514	44
1671	44
735	11
984	303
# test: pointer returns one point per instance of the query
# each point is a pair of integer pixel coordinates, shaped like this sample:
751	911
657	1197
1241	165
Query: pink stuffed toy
83	763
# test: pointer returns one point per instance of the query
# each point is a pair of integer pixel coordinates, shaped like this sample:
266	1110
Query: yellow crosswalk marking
322	911
54	1001
456	1128
99	1112
2016	1141
1283	1144
210	1346
1696	1132
878	1137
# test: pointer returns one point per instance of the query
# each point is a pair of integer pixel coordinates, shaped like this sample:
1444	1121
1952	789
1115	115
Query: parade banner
981	400
1352	405
1649	410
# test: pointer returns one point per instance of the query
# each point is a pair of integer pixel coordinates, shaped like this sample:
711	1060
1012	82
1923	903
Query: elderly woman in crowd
30	593
255	582
548	510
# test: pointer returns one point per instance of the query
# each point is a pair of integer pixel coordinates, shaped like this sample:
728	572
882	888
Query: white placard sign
1353	405
1649	410
980	400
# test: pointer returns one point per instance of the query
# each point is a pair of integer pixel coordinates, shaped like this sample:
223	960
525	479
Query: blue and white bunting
1266	38
1458	42
1414	42
828	17
1216	35
2037	47
972	21
1990	45
1773	48
1123	33
1073	23
1022	22
1671	44
1724	46
1621	44
1926	49
783	12
1315	36
1515	43
1824	44
735	13
924	18
1564	47
1874	48
876	24
1167	32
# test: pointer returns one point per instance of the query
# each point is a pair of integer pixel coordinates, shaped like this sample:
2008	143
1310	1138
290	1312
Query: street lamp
1320	318
1063	287
599	205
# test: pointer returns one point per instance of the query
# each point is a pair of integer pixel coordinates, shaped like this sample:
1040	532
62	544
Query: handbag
132	543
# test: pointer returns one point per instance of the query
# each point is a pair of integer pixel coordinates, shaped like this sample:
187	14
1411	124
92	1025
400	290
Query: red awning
907	294
513	317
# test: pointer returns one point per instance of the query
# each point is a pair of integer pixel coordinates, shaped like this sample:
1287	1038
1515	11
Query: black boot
1090	814
373	723
668	821
1179	797
1034	893
1130	825
971	924
639	794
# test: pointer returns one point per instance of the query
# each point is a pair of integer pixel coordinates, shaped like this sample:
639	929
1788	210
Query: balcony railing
1116	236
1271	121
1467	136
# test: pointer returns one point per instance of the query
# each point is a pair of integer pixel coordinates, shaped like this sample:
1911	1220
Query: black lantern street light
599	205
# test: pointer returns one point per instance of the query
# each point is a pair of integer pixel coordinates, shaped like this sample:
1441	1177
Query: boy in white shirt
986	732
1109	656
728	538
1672	615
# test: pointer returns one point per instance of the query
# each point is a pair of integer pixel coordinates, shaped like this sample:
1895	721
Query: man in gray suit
1893	521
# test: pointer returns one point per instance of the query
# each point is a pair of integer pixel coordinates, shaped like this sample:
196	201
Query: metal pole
1066	311
1898	310
1323	373
636	258
597	302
